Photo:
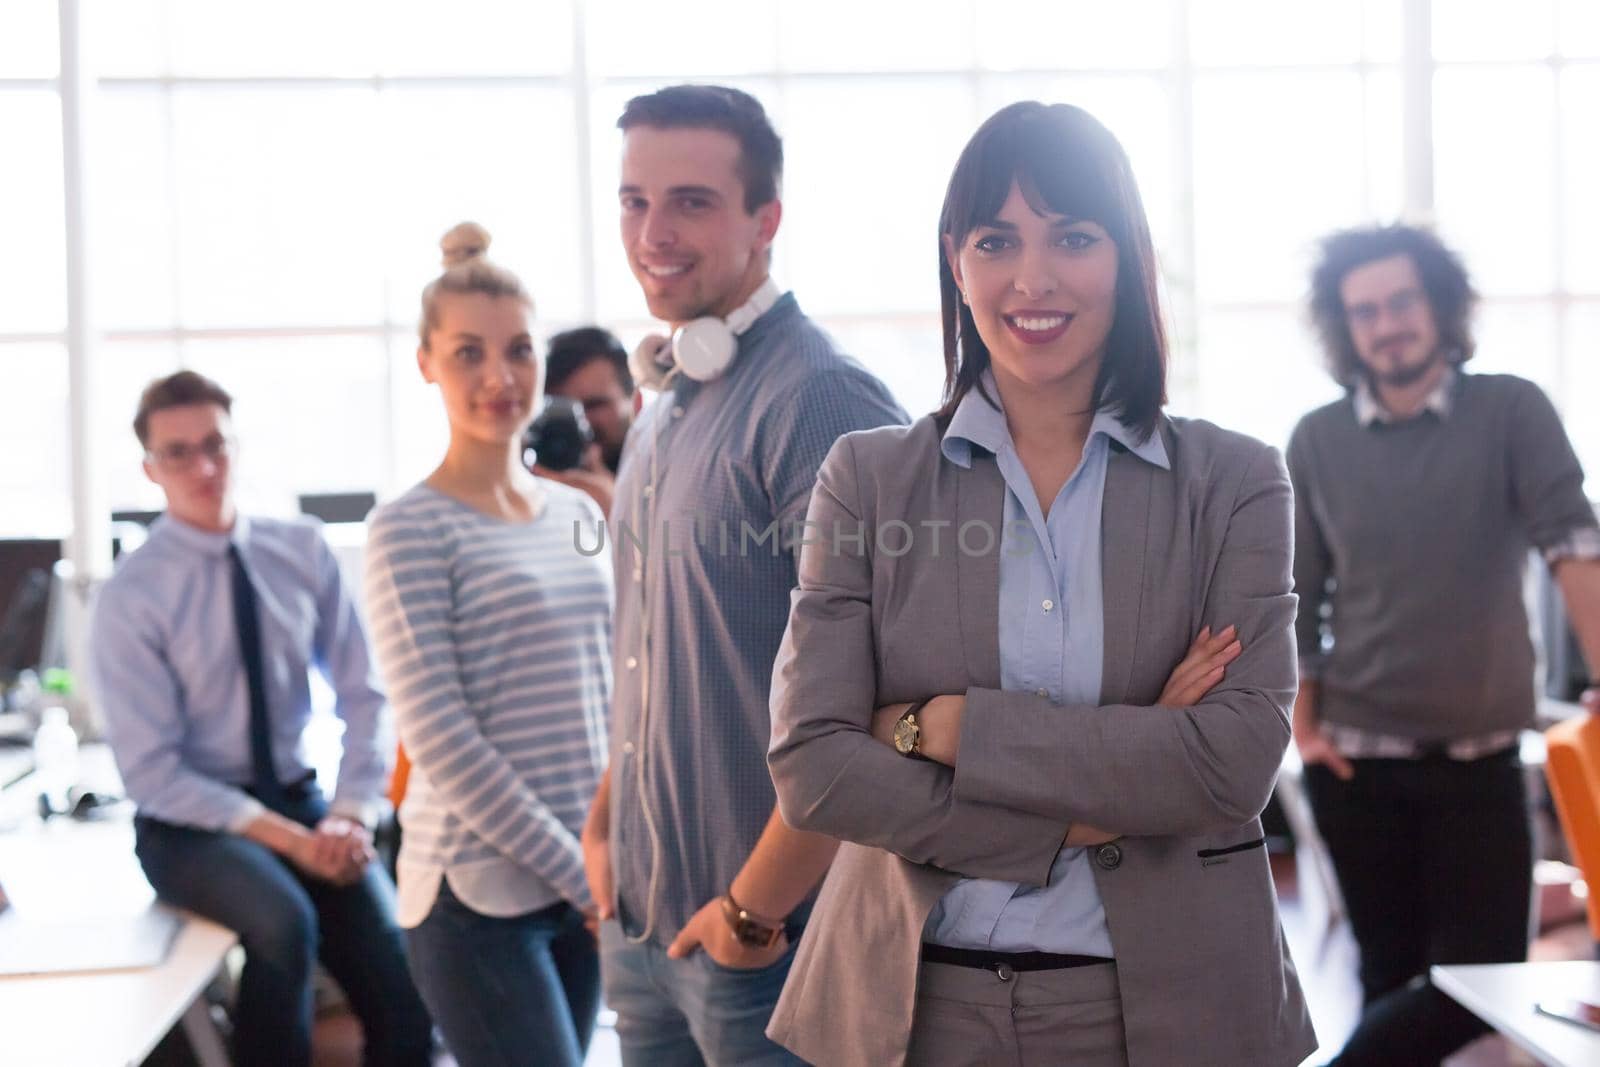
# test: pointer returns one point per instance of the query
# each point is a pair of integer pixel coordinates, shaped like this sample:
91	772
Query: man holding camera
578	439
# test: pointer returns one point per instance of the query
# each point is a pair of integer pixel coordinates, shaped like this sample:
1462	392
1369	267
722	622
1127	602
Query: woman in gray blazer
1038	668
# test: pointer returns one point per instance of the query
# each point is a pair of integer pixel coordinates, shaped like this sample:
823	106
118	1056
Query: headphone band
760	302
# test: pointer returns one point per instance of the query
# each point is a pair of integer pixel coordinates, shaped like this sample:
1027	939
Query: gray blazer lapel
1124	544
980	495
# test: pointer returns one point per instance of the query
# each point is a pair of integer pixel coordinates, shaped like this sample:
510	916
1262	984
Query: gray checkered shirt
713	541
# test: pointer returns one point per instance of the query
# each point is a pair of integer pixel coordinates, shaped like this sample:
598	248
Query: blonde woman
493	634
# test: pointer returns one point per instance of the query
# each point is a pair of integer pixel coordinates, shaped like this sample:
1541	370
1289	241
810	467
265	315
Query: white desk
65	869
1503	995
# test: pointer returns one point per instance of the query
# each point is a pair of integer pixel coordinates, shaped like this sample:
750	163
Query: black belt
1016	961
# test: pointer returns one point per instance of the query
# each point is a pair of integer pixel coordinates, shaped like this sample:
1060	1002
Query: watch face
906	733
755	935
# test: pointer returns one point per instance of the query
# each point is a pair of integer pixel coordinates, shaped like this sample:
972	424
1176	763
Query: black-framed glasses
182	455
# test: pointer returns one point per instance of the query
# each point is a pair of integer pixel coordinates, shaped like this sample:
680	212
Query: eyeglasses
182	455
1398	306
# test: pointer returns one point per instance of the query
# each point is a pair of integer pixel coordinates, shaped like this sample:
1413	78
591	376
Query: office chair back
1572	766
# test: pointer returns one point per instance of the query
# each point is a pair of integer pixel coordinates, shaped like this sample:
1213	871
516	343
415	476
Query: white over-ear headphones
702	349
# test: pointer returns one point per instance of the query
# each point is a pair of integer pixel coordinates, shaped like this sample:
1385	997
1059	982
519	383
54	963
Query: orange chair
1572	765
402	775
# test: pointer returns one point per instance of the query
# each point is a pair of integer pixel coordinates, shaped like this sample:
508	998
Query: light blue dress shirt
1052	643
169	681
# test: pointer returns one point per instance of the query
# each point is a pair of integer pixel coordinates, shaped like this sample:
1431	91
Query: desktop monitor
26	586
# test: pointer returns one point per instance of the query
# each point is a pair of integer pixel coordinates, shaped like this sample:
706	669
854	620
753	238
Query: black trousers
1435	860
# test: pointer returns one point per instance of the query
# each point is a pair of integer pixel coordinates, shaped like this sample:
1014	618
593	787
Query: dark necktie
248	622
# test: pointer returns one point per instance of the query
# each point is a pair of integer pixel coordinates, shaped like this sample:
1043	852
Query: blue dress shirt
1052	643
170	684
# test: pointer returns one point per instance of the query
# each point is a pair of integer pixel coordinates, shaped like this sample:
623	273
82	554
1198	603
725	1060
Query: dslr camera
558	436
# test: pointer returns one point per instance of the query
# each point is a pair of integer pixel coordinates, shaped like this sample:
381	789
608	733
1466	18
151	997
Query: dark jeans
287	921
519	990
1435	859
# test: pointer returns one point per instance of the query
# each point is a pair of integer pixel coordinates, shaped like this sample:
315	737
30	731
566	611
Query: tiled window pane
500	157
1518	337
29	42
1582	385
33	441
1580	157
1489	29
1050	35
311	413
1493	181
1248	32
133	239
473	37
33	272
307	38
1259	372
848	35
711	40
862	228
1578	28
1278	163
277	206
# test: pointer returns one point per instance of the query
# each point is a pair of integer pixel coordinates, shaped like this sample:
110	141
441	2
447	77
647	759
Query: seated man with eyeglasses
201	646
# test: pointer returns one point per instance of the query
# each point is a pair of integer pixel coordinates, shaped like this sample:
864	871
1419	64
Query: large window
270	180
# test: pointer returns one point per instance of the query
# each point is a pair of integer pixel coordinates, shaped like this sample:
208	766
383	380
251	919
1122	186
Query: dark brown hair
1065	162
716	107
572	350
1444	280
178	390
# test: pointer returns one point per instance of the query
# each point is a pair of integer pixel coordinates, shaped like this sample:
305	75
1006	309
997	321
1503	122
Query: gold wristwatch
908	732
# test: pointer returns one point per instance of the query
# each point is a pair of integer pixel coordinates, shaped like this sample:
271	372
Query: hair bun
466	241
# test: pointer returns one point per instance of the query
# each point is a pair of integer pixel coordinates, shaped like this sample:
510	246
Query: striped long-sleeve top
494	642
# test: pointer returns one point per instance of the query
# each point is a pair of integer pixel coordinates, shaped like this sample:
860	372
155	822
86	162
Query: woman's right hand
1201	669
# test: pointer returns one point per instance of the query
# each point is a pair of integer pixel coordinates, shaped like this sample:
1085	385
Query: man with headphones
703	888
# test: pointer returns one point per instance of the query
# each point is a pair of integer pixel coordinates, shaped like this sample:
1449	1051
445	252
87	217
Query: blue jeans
690	1012
522	990
286	921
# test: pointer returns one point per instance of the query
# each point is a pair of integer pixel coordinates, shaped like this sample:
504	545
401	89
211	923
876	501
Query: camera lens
557	437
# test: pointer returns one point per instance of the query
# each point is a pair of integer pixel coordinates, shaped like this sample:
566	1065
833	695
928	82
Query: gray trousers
968	1017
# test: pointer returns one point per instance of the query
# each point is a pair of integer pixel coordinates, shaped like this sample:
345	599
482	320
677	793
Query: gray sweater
1410	544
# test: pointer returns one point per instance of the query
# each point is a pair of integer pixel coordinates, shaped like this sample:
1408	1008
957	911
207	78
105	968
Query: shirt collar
194	539
1369	409
977	422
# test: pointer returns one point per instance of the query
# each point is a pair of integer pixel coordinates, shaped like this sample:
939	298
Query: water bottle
55	757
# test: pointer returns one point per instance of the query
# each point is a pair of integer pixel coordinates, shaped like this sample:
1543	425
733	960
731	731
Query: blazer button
1108	856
